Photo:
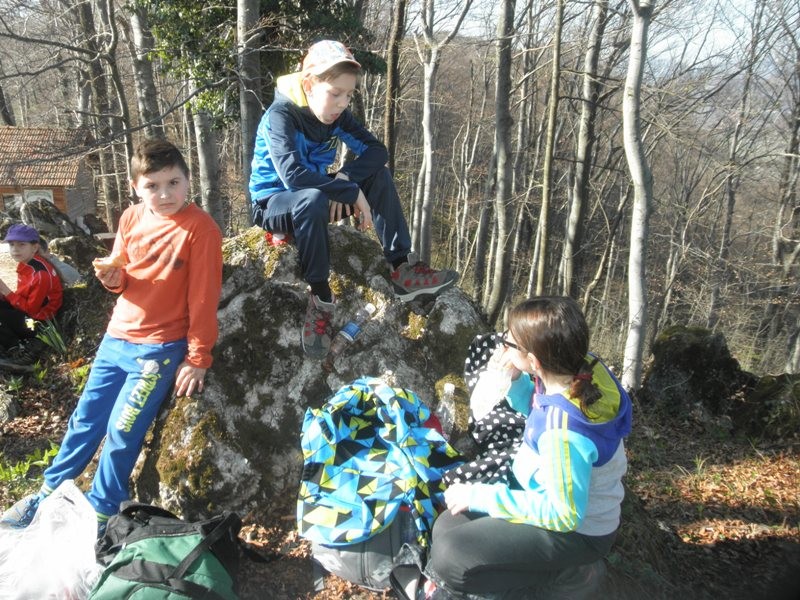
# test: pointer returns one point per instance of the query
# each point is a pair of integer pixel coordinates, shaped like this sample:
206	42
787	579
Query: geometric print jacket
366	456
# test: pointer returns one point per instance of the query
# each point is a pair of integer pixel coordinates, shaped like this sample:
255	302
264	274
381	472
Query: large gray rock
236	446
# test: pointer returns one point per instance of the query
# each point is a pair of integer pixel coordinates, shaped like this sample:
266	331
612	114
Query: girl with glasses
549	524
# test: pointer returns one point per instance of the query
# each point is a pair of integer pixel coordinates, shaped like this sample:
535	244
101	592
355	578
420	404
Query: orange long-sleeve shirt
172	282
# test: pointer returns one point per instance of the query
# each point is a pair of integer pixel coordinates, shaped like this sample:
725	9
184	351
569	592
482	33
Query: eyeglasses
506	343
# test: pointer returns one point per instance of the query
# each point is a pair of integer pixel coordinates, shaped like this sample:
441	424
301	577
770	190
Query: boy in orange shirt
168	273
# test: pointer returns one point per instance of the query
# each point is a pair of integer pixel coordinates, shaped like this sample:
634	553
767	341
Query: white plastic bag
52	558
491	389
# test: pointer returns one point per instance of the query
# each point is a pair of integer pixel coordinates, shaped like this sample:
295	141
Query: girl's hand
188	379
457	497
501	361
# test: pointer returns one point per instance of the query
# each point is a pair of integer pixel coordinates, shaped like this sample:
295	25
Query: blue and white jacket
569	467
293	149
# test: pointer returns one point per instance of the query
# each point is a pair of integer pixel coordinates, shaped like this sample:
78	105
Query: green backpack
150	554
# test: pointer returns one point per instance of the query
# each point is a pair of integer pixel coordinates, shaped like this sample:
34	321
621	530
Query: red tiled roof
38	156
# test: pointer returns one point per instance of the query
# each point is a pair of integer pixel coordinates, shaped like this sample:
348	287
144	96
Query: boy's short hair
155	154
328	59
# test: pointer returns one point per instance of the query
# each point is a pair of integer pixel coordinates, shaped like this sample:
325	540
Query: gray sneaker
410	281
317	331
21	514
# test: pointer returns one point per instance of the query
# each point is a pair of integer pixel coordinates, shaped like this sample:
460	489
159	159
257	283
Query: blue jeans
126	386
306	213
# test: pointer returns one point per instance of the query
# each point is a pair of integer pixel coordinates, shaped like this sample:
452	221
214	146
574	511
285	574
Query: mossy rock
236	445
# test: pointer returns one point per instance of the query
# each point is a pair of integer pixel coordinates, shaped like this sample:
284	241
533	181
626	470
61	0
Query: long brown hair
554	330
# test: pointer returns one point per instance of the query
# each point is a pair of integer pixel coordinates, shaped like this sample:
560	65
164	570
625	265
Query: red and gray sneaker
410	281
317	330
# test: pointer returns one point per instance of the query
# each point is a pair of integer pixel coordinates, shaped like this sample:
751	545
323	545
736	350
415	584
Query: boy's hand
111	278
4	289
339	211
188	379
362	212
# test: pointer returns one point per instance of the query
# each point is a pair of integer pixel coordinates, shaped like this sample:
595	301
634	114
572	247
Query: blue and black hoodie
293	149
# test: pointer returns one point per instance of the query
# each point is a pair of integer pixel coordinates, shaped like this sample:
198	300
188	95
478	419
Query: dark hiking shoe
27	352
410	281
317	331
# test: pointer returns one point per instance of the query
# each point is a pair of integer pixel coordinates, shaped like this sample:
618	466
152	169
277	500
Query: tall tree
248	38
141	44
393	77
733	174
642	194
590	94
430	54
550	143
504	124
6	111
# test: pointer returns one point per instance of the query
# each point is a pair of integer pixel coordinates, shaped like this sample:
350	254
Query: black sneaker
27	352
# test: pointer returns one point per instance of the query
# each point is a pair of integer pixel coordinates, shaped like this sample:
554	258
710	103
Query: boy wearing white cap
293	193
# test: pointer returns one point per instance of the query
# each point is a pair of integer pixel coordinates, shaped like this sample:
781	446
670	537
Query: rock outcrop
236	446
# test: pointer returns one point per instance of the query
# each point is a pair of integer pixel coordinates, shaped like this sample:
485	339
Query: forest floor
732	506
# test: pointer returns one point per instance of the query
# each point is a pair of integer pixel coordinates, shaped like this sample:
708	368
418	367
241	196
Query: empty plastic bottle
446	410
347	334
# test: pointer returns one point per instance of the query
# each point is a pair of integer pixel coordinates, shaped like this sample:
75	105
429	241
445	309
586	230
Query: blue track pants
305	214
126	386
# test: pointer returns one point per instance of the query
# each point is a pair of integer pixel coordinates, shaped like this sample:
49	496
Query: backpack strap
209	540
145	572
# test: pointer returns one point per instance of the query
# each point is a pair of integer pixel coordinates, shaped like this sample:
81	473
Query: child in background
38	297
161	332
556	515
293	193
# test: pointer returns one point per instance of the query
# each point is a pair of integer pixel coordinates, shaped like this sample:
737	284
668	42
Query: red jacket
39	293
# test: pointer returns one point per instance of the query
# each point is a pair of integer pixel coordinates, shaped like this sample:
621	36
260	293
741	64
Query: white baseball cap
325	54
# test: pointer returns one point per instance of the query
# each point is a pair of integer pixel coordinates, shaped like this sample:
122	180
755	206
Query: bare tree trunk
482	235
643	194
208	166
584	154
141	43
393	77
732	176
6	111
248	36
430	56
102	108
504	125
547	174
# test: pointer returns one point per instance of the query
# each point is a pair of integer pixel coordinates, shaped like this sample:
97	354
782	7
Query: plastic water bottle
347	334
446	410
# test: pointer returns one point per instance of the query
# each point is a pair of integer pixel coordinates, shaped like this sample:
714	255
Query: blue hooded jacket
293	149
